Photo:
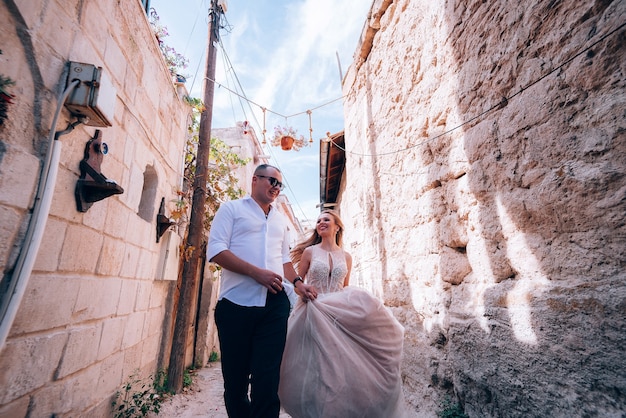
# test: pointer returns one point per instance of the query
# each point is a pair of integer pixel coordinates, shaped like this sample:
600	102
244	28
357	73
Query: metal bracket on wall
92	185
162	221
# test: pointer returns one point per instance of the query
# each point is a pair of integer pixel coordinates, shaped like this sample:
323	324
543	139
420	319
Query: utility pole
193	246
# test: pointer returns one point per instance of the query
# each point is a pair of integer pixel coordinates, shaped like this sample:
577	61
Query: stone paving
204	399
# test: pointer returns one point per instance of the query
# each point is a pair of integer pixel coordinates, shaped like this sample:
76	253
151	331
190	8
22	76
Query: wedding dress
343	351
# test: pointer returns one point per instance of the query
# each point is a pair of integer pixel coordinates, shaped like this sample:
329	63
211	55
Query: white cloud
284	54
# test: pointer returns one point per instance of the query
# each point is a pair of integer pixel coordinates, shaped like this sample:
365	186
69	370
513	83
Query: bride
344	347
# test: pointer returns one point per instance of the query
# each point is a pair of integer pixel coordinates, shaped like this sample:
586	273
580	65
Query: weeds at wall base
213	357
139	397
450	409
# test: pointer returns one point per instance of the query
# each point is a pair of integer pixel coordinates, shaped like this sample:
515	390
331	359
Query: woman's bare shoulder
307	251
311	248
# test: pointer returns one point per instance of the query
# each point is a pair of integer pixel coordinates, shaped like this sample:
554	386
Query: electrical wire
237	90
229	69
193	27
270	110
500	105
231	74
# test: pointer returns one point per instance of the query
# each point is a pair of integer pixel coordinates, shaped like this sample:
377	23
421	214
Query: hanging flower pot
287	138
286	142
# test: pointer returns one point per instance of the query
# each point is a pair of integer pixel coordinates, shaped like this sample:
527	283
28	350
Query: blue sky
283	53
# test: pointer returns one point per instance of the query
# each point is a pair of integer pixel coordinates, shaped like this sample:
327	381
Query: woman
343	351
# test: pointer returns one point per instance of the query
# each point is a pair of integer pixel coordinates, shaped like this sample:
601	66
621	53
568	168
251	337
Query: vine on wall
222	184
175	61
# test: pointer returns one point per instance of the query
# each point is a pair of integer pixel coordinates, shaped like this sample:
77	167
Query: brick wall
93	311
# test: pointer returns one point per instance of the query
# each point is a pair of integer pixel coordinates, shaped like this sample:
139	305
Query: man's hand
272	281
266	278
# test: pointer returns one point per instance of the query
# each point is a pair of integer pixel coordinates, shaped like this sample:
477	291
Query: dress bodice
327	270
343	350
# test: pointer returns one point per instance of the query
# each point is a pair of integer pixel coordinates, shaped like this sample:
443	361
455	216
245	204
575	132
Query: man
249	240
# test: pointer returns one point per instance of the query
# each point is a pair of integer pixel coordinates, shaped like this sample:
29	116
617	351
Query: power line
500	105
273	111
237	85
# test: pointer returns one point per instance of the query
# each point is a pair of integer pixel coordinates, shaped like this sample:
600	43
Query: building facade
93	306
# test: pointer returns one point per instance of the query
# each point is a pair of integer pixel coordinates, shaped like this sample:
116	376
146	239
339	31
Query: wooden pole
193	246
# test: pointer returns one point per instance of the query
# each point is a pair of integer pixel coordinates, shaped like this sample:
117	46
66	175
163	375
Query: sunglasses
273	182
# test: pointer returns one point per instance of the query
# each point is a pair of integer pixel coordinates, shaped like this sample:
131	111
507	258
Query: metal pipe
37	225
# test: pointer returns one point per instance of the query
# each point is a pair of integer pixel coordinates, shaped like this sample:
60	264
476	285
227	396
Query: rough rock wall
484	198
95	310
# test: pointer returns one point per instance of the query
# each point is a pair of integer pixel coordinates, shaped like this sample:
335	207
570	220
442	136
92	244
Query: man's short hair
263	167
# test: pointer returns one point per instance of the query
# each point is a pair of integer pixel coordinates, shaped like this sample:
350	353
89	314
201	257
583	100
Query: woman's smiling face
326	225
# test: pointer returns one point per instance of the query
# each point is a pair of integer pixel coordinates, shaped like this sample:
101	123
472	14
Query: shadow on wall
547	240
515	218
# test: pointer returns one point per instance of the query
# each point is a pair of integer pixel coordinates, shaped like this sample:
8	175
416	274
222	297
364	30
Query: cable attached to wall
500	105
12	299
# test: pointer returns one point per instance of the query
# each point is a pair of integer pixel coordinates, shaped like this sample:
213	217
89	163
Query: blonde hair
314	238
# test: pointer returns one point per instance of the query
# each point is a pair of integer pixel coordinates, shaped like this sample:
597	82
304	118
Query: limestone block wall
484	198
97	306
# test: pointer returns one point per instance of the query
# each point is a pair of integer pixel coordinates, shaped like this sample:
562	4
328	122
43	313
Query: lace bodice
327	270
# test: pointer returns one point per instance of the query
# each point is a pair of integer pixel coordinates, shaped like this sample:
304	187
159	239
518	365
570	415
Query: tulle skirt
342	358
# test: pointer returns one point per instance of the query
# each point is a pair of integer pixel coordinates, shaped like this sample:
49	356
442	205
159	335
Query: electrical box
94	97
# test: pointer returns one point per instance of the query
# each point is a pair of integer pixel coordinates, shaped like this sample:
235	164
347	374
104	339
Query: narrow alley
204	399
474	152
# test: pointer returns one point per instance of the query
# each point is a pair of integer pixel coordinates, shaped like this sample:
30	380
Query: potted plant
175	61
287	138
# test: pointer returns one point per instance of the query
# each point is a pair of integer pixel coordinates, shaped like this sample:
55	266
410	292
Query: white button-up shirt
241	227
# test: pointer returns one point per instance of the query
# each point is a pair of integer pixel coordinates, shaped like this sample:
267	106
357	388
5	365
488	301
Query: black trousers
252	340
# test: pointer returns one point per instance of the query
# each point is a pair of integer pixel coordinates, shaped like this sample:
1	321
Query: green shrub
160	381
137	398
451	409
187	379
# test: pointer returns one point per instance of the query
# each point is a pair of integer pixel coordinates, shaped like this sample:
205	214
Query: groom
249	239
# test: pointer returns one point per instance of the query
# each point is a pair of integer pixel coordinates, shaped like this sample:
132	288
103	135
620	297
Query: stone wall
484	199
96	308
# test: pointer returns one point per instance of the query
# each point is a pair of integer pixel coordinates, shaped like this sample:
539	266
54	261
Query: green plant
160	381
187	379
213	357
281	133
450	409
137	398
222	184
